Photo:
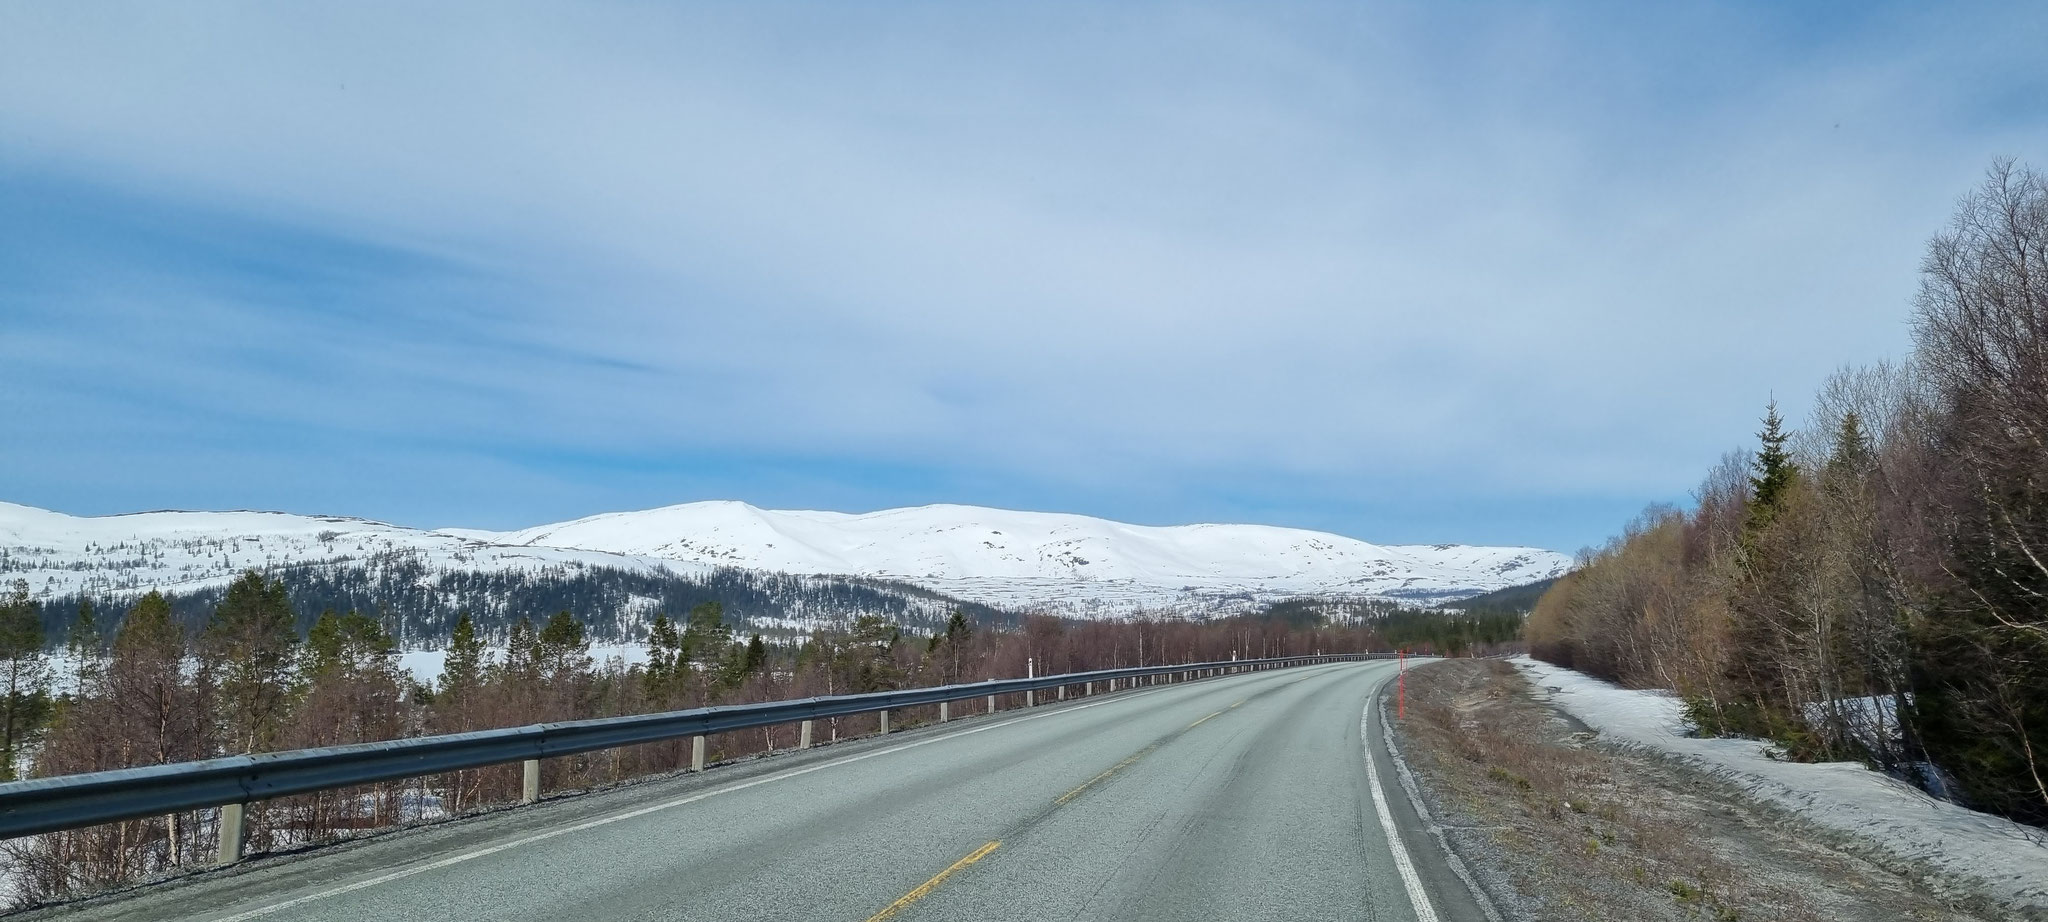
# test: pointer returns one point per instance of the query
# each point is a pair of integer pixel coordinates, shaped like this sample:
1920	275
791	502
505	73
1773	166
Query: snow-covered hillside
120	555
1064	563
1038	559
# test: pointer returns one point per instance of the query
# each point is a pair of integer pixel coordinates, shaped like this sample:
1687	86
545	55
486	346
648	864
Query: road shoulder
1552	823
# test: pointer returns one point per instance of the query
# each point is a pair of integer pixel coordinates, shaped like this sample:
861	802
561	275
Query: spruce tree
757	654
1775	472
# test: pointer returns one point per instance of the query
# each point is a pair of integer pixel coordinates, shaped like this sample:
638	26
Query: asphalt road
1238	798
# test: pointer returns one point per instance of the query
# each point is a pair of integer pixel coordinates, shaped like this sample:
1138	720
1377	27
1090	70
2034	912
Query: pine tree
562	651
24	675
251	641
952	643
663	645
521	655
706	640
85	645
462	670
348	644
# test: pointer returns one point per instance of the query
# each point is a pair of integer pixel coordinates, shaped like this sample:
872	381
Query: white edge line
1436	829
1424	912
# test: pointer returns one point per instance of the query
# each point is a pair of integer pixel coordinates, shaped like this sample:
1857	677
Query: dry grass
1579	831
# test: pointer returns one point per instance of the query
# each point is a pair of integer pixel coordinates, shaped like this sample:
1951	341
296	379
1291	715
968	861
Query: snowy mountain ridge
1067	564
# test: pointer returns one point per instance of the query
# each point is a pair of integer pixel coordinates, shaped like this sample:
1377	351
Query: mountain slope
1045	558
1066	564
118	555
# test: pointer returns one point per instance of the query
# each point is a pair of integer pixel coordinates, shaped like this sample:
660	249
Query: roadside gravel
1555	824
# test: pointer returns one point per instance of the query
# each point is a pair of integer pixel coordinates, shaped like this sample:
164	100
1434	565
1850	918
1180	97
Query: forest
1874	584
251	674
419	601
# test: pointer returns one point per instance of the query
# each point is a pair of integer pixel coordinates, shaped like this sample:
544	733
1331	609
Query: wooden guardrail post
945	711
529	787
885	722
991	704
697	753
234	830
804	736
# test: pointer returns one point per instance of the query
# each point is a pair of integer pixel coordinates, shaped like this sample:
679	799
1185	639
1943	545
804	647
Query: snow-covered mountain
1047	559
119	555
1043	561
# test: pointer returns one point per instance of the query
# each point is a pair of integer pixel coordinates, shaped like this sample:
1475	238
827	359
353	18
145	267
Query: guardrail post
1063	693
1030	699
234	829
529	785
804	736
697	753
991	704
885	721
945	712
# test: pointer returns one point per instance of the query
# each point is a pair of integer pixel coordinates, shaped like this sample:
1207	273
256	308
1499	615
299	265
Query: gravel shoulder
1554	823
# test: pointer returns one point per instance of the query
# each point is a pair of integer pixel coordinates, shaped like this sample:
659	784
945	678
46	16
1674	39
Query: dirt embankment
1557	826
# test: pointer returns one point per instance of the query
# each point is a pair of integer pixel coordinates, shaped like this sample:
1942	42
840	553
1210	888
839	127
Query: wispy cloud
1484	273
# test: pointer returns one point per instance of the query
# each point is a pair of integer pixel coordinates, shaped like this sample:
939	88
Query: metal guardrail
75	801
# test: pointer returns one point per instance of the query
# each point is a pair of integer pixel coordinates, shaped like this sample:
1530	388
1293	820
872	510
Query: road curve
1239	798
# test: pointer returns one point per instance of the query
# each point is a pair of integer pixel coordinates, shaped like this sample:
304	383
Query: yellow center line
1200	722
1061	800
927	887
1238	702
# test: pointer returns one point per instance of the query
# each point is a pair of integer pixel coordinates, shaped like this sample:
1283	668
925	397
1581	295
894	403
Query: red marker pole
1401	688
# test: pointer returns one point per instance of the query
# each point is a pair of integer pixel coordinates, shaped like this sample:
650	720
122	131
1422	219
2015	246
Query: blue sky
1481	273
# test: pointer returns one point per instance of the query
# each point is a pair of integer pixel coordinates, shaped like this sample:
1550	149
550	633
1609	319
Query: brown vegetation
1875	585
246	683
1558	826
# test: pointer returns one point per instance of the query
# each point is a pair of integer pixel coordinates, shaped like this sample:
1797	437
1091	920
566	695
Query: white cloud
1534	251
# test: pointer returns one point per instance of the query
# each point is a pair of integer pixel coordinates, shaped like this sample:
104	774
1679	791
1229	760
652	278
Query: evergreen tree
345	644
521	655
706	640
1775	471
562	651
85	645
951	644
757	655
251	643
463	669
24	675
1851	457
663	646
867	662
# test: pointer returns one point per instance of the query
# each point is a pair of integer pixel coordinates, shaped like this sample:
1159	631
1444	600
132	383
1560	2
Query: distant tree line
1874	585
253	674
419	602
1486	625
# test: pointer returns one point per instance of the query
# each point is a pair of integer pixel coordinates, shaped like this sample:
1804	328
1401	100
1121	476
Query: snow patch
2011	859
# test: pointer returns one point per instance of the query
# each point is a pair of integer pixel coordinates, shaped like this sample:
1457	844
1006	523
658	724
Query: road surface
1237	798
